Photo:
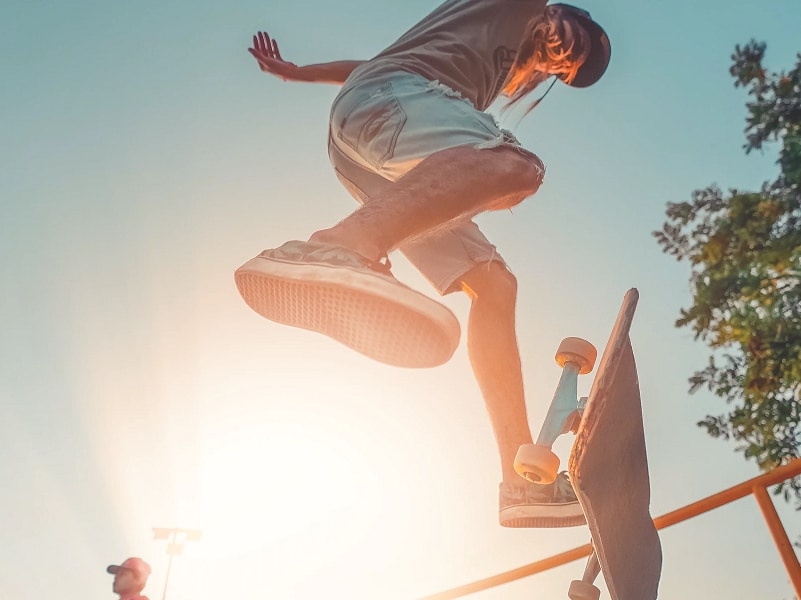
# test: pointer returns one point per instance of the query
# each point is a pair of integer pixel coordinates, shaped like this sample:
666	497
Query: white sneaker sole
375	316
545	516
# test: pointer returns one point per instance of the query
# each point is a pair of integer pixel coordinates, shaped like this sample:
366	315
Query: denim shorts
383	127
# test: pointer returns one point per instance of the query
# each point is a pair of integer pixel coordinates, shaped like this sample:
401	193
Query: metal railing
756	486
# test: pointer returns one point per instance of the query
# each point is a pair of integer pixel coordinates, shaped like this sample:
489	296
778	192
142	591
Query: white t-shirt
469	45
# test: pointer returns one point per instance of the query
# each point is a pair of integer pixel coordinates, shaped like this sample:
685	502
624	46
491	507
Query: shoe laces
562	487
559	490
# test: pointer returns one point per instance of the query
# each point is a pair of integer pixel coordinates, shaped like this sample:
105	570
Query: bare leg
495	358
453	184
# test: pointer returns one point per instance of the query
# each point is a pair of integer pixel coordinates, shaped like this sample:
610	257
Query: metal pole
508	576
169	566
171	535
731	494
780	538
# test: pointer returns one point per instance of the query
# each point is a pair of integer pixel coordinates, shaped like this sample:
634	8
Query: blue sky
145	157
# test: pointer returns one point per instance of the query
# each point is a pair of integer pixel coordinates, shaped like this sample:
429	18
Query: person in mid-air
411	140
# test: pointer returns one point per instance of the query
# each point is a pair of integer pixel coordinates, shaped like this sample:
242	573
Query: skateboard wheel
536	463
579	351
581	590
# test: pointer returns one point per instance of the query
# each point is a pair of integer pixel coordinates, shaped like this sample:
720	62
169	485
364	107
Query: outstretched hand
265	51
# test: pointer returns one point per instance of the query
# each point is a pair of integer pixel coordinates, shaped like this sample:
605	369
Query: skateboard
608	464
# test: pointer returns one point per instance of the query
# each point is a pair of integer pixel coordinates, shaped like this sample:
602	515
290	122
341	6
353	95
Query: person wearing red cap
410	139
130	578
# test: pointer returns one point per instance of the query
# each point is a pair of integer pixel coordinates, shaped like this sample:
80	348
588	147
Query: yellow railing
756	486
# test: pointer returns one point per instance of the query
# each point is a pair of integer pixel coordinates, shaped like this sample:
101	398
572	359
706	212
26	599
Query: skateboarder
411	141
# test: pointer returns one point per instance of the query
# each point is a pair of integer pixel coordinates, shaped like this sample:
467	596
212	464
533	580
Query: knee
491	283
522	166
521	172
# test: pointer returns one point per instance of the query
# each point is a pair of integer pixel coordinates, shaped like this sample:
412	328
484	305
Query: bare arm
265	51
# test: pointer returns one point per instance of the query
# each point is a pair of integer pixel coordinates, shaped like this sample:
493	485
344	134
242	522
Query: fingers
259	57
266	46
258	46
265	51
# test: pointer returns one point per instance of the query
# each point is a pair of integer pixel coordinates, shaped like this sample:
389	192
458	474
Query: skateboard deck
608	468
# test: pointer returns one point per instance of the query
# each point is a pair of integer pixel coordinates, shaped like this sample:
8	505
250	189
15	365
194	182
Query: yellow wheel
581	590
579	351
536	463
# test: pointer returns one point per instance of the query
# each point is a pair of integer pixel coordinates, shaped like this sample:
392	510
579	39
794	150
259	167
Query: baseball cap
140	567
600	50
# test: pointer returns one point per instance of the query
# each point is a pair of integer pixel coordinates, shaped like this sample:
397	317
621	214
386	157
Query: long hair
554	44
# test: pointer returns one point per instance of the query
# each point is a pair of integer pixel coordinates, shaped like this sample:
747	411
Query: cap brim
597	61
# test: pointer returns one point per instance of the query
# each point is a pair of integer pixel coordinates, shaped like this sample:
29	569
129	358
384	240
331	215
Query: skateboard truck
537	462
584	589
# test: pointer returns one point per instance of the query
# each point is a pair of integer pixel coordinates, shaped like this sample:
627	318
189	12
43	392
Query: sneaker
341	294
534	505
